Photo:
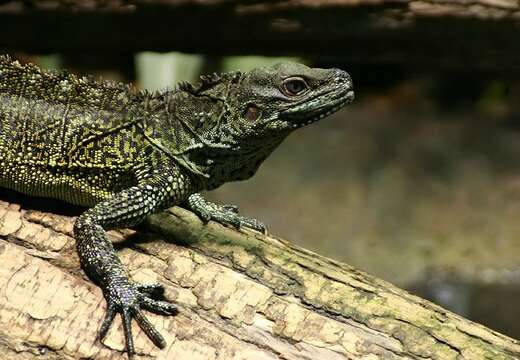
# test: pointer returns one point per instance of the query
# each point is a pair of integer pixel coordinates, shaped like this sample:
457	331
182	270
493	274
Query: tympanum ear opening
252	112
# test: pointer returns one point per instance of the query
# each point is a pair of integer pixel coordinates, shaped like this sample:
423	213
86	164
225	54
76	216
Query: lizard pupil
294	86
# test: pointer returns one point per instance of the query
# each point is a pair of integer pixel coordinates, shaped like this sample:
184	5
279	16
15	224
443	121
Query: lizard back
59	132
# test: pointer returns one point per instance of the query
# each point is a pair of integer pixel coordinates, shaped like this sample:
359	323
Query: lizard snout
342	77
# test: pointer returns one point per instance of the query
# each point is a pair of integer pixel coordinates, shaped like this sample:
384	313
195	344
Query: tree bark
242	295
469	34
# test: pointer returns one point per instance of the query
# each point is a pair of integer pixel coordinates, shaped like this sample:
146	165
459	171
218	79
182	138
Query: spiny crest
6	62
208	81
62	86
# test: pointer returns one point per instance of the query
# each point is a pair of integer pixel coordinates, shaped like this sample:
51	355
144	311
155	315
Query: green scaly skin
125	154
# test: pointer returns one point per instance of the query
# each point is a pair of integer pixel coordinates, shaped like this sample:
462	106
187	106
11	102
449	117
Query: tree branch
242	295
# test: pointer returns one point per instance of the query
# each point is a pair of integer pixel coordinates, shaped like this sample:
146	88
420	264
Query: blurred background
417	181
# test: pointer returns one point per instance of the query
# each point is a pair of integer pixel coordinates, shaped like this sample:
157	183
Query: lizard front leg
224	214
100	261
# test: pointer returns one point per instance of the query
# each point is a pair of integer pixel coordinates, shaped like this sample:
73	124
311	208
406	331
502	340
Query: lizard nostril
342	77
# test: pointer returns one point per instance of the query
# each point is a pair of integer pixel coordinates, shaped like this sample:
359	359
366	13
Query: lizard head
233	121
244	107
287	96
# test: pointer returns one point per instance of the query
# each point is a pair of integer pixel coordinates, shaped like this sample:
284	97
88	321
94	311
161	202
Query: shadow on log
242	295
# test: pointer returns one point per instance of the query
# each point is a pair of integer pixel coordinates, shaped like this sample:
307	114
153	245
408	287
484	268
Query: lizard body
125	154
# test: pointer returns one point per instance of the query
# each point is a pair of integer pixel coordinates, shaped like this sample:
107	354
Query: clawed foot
129	299
224	214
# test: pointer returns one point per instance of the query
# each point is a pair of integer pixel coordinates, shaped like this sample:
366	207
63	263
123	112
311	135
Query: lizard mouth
307	113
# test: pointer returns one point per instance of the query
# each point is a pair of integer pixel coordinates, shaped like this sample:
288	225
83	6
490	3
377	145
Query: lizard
124	154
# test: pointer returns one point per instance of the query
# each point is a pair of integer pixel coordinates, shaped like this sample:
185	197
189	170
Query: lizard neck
198	131
236	164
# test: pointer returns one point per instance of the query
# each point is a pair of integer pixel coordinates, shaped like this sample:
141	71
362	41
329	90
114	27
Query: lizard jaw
332	107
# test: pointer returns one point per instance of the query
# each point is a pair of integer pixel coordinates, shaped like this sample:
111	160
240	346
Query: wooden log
469	34
242	295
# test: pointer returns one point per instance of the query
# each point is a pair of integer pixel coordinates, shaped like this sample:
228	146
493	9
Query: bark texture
242	295
480	33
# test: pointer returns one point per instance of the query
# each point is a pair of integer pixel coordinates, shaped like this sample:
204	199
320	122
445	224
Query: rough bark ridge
468	34
242	295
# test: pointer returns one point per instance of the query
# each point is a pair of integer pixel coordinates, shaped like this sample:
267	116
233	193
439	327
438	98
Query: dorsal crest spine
208	81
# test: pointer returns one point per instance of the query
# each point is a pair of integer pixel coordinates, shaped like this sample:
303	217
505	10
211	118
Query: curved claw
127	328
239	221
149	330
253	224
159	307
110	314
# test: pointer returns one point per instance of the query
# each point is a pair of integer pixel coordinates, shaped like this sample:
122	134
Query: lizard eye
294	86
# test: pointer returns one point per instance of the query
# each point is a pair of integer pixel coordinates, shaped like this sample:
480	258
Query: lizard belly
84	189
